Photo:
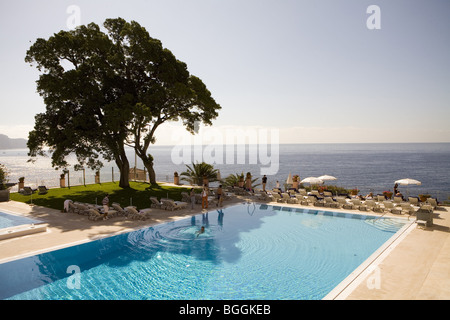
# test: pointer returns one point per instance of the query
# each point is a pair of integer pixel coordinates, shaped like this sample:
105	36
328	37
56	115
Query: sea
368	167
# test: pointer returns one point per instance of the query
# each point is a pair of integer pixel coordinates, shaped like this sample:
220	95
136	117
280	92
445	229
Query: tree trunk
151	172
124	168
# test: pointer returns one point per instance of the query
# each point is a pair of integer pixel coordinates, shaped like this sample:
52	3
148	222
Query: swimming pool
248	251
11	220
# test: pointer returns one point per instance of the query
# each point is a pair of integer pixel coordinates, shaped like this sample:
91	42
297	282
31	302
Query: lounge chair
372	205
398	200
381	198
261	196
133	214
389	207
407	208
342	202
82	208
42	190
424	215
359	205
94	214
330	203
118	208
285	197
414	201
27	191
432	202
171	205
155	203
276	197
327	194
293	200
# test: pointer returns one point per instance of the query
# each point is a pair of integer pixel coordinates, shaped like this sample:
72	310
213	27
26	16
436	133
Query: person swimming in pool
202	230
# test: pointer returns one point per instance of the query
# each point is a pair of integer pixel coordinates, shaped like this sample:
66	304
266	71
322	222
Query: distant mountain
8	143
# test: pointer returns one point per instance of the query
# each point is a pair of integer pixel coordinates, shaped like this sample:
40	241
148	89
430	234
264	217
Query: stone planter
176	180
4	195
62	182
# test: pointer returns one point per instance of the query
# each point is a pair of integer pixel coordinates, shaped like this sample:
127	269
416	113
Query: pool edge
357	276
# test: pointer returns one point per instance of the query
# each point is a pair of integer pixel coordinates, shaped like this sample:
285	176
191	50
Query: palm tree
197	172
233	180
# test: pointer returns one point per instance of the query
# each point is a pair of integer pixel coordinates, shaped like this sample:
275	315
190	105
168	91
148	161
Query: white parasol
326	177
408	182
312	180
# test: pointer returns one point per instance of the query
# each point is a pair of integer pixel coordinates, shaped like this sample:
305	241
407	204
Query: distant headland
9	143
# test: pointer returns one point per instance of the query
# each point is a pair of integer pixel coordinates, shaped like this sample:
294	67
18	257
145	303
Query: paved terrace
418	267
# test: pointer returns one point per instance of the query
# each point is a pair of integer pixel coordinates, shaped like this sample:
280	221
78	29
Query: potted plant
21	182
4	190
205	180
241	181
62	180
97	176
388	194
176	178
424	197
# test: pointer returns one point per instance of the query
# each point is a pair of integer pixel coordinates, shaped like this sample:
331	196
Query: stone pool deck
417	267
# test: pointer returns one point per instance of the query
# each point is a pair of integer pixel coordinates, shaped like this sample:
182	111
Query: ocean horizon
370	167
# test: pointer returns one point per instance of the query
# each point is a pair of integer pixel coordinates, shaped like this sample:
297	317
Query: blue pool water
10	220
248	251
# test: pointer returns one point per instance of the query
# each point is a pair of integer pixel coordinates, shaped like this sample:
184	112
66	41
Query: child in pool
202	230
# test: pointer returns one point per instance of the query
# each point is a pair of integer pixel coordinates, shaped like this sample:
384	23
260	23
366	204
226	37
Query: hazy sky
312	69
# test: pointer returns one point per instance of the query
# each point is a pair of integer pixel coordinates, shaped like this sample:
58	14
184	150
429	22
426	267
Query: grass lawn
138	194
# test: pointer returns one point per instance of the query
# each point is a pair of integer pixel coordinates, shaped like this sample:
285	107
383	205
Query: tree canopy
104	91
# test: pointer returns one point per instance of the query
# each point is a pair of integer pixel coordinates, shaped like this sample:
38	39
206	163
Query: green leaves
105	90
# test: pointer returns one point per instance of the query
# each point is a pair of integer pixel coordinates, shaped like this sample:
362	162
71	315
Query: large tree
104	91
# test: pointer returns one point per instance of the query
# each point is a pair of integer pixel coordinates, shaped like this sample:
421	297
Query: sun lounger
119	210
398	200
432	202
171	205
42	190
407	208
342	202
263	196
277	197
133	214
389	207
372	205
82	208
27	191
414	201
285	197
359	205
94	215
155	203
424	216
